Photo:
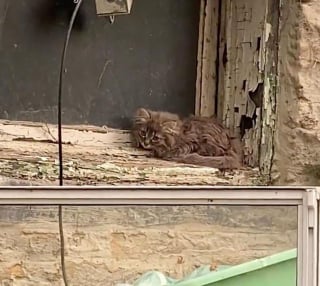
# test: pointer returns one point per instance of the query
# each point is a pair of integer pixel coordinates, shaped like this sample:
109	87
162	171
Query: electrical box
113	7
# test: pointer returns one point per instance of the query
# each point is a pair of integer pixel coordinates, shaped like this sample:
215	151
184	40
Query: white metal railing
306	199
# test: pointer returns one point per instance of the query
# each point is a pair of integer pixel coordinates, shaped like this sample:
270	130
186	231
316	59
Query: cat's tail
218	162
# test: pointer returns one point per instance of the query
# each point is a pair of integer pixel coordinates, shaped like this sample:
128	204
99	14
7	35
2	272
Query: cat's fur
193	140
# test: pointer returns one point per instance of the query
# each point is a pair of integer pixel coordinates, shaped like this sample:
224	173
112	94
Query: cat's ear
142	115
142	112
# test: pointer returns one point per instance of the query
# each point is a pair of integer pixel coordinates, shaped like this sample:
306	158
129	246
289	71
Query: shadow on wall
147	58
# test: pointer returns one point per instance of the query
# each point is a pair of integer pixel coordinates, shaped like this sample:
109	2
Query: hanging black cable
62	71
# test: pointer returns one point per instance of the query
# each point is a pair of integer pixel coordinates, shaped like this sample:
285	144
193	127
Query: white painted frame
306	199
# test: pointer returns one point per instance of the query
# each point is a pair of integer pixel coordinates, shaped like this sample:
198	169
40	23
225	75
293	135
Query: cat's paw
178	152
151	154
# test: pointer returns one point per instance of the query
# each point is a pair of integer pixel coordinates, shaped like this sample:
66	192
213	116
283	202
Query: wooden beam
269	108
207	57
199	58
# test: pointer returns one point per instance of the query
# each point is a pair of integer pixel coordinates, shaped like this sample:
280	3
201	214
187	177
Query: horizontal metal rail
305	198
150	195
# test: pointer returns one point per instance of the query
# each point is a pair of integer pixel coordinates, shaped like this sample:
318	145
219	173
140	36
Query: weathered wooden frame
306	199
207	56
213	79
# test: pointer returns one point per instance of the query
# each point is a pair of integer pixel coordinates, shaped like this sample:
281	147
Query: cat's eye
142	133
155	138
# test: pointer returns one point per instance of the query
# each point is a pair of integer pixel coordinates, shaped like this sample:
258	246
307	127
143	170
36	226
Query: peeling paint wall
271	87
247	63
285	137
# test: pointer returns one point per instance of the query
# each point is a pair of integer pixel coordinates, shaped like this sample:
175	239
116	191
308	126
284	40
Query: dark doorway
147	58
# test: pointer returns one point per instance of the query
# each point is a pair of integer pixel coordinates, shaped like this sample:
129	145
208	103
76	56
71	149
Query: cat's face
153	130
149	136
